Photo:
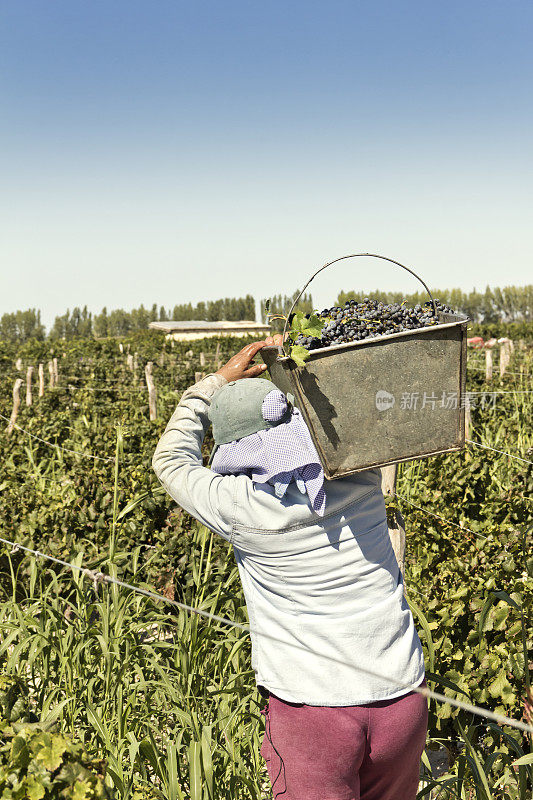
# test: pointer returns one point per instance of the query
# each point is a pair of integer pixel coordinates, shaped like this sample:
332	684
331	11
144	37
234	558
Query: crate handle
353	255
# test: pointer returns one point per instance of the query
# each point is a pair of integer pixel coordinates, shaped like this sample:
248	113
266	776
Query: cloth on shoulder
277	455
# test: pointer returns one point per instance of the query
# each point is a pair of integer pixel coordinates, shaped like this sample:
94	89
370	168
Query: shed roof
203	325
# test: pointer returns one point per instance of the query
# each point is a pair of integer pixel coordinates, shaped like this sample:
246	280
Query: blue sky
170	152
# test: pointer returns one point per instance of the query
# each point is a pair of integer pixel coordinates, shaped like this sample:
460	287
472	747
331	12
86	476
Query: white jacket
328	588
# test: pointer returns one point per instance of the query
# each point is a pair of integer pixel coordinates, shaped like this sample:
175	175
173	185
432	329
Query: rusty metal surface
381	401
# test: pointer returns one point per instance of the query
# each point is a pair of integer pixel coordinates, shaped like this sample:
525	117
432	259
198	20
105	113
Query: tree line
507	304
510	304
280	304
19	326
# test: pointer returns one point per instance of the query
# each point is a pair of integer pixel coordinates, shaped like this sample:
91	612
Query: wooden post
468	417
217	353
152	396
129	361
505	356
161	359
488	365
198	376
29	375
395	520
56	371
51	374
202	360
18	364
16	405
388	479
121	347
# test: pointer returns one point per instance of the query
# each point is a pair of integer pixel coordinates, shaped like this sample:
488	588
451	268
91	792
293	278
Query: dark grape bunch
356	321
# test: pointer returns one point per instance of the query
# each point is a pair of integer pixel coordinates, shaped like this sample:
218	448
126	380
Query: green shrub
38	763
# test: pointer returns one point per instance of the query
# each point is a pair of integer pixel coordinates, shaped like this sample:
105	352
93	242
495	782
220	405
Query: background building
200	329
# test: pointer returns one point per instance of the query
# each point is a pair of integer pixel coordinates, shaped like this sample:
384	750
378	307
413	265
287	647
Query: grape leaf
297	323
20	753
313	326
34	788
50	750
299	355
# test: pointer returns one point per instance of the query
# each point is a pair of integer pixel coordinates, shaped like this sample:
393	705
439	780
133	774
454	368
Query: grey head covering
259	433
236	410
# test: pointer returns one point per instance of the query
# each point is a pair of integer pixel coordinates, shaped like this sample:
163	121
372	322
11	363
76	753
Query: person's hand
275	340
239	365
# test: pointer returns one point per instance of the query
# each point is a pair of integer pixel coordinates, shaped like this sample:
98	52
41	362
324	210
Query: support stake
29	375
16	405
488	365
505	355
152	395
395	520
468	417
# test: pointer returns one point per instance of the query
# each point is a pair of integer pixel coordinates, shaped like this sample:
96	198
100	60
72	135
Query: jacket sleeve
177	461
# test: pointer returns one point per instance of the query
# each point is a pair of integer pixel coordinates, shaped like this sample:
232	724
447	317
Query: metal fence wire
100	577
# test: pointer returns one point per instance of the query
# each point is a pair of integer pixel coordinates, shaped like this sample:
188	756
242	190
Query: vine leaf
299	355
307	326
304	326
425	627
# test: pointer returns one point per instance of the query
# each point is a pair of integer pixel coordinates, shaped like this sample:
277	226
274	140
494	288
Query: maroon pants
369	752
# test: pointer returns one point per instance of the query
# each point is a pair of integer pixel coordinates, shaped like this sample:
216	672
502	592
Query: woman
334	648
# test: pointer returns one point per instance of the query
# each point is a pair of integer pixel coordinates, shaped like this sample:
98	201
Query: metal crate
384	400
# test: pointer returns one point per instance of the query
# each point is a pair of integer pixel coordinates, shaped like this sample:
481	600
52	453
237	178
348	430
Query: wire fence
527	391
502	452
57	446
438	516
108	458
142	388
483	369
100	577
